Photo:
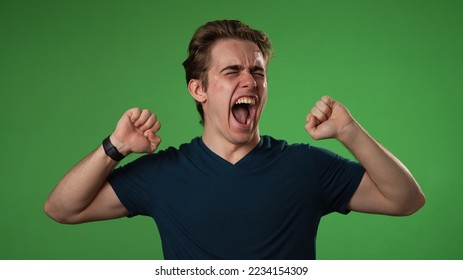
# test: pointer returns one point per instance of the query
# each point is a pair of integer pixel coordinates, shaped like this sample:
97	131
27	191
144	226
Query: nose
248	80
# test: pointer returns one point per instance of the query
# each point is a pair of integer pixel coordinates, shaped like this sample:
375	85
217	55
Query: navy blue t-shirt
266	206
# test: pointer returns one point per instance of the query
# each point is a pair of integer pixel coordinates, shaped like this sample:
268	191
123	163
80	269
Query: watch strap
112	151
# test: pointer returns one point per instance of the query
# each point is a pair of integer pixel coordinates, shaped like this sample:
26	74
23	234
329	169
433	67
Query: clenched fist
328	119
136	132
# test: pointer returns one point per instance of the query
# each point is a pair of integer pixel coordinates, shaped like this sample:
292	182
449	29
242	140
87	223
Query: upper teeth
246	100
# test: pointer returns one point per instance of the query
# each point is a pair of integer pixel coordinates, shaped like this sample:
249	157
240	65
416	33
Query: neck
229	150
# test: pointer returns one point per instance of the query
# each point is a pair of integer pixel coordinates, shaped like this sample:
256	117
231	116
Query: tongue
241	113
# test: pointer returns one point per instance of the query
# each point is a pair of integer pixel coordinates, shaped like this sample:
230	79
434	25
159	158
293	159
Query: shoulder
282	150
165	156
183	149
270	143
305	150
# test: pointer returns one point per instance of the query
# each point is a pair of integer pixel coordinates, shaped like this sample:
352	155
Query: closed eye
262	74
257	70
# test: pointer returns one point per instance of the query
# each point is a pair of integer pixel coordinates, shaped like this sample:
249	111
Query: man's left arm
387	186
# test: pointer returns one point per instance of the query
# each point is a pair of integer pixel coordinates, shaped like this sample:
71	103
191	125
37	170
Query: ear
196	90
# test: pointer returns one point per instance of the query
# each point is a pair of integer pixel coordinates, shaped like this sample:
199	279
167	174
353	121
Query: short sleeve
339	178
131	184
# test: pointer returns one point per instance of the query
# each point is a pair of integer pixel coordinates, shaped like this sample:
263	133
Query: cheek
222	93
221	85
226	87
263	91
264	84
218	98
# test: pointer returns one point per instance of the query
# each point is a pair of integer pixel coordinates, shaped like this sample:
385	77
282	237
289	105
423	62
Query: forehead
236	52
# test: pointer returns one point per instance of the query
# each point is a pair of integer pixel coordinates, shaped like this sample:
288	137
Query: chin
246	137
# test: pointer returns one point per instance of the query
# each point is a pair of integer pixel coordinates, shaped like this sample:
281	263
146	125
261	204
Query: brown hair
199	49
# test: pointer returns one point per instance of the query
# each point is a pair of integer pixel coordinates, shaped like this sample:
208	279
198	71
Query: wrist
113	148
120	146
348	135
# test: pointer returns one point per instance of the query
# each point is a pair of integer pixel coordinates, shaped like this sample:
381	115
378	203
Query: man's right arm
84	194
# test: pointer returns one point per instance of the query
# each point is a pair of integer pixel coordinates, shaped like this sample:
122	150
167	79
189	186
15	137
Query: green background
69	69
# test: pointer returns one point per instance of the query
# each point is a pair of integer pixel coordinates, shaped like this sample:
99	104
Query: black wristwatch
112	151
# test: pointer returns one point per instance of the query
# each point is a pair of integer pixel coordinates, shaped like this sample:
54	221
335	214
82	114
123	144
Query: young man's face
236	91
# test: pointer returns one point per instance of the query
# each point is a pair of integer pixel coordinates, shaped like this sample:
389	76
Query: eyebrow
239	68
232	67
257	68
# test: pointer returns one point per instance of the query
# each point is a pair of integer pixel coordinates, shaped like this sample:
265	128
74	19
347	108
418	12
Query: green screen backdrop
69	69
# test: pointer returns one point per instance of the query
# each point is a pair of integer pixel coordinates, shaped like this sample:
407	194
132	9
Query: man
232	193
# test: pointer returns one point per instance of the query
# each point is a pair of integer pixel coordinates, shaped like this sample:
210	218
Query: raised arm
84	194
387	187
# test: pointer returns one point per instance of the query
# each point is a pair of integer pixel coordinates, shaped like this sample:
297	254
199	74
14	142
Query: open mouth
243	110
